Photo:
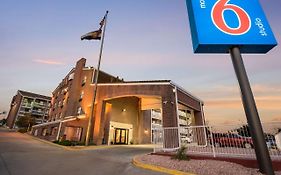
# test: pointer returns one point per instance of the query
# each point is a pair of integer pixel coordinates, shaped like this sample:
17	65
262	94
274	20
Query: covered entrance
121	136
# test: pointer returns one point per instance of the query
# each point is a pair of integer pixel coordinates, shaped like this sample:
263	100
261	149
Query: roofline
131	83
165	82
186	92
46	97
67	119
70	72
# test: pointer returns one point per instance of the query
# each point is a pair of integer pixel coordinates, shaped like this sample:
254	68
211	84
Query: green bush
68	143
22	130
181	154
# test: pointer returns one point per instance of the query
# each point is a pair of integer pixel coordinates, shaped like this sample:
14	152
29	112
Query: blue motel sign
217	25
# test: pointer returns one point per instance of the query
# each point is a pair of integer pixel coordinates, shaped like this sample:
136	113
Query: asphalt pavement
23	155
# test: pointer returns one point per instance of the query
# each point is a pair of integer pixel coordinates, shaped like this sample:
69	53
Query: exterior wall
14	108
130	116
108	92
107	109
67	99
145	127
35	109
49	136
83	123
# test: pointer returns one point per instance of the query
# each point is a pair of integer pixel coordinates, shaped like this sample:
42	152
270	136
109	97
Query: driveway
21	154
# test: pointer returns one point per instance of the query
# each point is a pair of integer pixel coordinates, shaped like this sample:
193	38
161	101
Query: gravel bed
200	167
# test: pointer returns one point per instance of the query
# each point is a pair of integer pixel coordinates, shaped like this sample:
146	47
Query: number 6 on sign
218	19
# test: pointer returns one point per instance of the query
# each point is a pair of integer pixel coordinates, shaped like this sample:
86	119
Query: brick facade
75	92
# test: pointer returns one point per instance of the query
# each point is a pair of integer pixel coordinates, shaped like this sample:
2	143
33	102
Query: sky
145	40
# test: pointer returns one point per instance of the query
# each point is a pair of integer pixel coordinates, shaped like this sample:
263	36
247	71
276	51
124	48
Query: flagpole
95	75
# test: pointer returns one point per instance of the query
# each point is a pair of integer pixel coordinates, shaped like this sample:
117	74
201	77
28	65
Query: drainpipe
177	113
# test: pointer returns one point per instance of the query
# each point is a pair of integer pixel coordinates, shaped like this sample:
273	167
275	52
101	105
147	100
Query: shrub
22	130
181	155
68	143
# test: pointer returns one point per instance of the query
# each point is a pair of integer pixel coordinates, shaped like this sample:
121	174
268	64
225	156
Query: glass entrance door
121	136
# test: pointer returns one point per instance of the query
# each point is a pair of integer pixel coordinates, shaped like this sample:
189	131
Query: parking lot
22	155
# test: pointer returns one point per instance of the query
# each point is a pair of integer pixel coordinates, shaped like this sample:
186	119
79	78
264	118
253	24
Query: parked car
232	140
270	142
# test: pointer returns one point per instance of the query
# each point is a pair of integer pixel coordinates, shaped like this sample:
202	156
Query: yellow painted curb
158	168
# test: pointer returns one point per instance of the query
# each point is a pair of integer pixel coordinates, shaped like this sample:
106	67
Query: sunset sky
145	40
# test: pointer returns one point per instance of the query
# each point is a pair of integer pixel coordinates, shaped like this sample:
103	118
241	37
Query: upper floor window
71	76
65	90
84	80
81	96
79	110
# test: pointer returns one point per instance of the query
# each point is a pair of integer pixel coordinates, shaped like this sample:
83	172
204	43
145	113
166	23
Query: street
22	155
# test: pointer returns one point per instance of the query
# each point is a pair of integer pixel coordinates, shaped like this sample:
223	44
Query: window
44	132
84	80
62	103
54	130
79	110
71	76
65	90
35	132
81	96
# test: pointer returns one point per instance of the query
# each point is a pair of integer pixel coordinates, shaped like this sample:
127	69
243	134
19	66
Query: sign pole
251	112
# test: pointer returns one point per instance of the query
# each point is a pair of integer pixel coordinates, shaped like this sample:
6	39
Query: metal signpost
234	26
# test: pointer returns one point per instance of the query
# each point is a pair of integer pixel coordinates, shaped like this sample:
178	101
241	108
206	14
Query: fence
230	140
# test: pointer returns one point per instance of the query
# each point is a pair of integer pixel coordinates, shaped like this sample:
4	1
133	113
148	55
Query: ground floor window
44	132
35	132
73	133
54	130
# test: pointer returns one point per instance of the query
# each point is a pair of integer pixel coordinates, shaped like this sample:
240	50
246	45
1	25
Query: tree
25	122
3	121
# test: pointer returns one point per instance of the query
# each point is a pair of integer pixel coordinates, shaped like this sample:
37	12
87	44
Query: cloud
265	102
276	119
50	62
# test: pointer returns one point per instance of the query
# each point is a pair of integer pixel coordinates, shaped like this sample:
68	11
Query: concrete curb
158	168
48	142
70	148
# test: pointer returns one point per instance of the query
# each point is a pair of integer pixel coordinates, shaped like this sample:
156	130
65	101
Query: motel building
126	112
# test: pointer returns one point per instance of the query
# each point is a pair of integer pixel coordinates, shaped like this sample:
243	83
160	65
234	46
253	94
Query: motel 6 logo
218	18
217	25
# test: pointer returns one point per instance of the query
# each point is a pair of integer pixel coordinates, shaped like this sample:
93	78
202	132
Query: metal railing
223	140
